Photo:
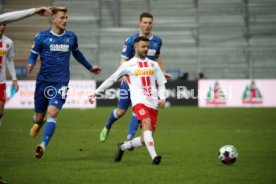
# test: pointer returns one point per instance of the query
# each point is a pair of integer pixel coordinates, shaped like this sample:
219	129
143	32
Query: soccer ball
228	154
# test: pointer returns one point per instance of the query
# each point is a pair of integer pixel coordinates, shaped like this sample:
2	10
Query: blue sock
48	131
112	118
133	127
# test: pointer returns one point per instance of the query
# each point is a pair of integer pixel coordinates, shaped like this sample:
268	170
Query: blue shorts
124	98
49	93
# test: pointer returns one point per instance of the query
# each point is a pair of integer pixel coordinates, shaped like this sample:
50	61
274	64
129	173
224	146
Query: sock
48	131
149	143
112	118
134	143
133	127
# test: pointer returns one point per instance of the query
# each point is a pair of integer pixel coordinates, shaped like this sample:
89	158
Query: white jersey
16	15
6	55
143	77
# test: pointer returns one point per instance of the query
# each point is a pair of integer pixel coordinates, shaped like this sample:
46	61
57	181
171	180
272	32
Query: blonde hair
57	9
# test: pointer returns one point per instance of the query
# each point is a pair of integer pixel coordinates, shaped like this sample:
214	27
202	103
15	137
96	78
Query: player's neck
139	57
57	31
147	35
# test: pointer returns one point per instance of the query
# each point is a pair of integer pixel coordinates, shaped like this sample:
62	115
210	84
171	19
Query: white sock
150	143
134	143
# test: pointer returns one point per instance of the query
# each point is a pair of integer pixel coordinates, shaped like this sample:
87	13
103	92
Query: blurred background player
21	14
6	59
54	46
143	76
155	44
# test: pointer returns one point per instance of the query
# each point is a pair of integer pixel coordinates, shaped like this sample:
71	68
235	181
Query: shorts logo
50	92
142	112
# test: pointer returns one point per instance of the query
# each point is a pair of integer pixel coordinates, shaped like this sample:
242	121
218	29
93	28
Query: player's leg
55	105
39	120
2	101
50	126
148	118
41	104
133	127
2	104
123	104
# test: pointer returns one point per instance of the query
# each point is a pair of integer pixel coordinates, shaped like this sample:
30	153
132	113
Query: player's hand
30	68
15	84
161	103
91	97
44	11
124	79
96	70
167	76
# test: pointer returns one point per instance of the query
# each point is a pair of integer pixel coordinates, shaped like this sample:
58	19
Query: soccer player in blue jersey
155	44
54	46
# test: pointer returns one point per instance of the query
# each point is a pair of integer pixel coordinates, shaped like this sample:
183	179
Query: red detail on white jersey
6	52
150	143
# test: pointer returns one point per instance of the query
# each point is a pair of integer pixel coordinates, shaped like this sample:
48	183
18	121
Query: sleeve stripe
34	52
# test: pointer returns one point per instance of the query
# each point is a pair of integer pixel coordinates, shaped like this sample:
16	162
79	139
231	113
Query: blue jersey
155	45
54	51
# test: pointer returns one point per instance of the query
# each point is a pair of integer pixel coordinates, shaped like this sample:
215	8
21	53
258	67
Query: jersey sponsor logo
151	52
59	47
139	72
3	52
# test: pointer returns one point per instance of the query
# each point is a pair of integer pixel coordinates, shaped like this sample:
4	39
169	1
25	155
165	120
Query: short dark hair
141	38
55	10
145	14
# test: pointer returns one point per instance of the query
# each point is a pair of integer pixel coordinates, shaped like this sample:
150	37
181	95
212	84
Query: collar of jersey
149	38
57	34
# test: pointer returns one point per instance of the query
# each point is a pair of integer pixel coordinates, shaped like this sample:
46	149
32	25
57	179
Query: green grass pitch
188	138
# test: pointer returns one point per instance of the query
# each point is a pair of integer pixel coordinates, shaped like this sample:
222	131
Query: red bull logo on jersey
59	47
3	52
139	72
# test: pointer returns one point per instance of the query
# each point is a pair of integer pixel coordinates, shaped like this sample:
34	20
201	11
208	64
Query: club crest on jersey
139	72
124	48
59	47
142	112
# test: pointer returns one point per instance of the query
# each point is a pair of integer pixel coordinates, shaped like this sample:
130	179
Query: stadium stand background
221	38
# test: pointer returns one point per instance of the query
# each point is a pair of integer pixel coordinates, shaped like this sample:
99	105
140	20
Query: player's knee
120	112
52	113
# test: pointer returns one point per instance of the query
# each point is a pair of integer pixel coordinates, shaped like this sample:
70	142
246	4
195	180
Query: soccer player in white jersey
143	76
6	59
21	14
